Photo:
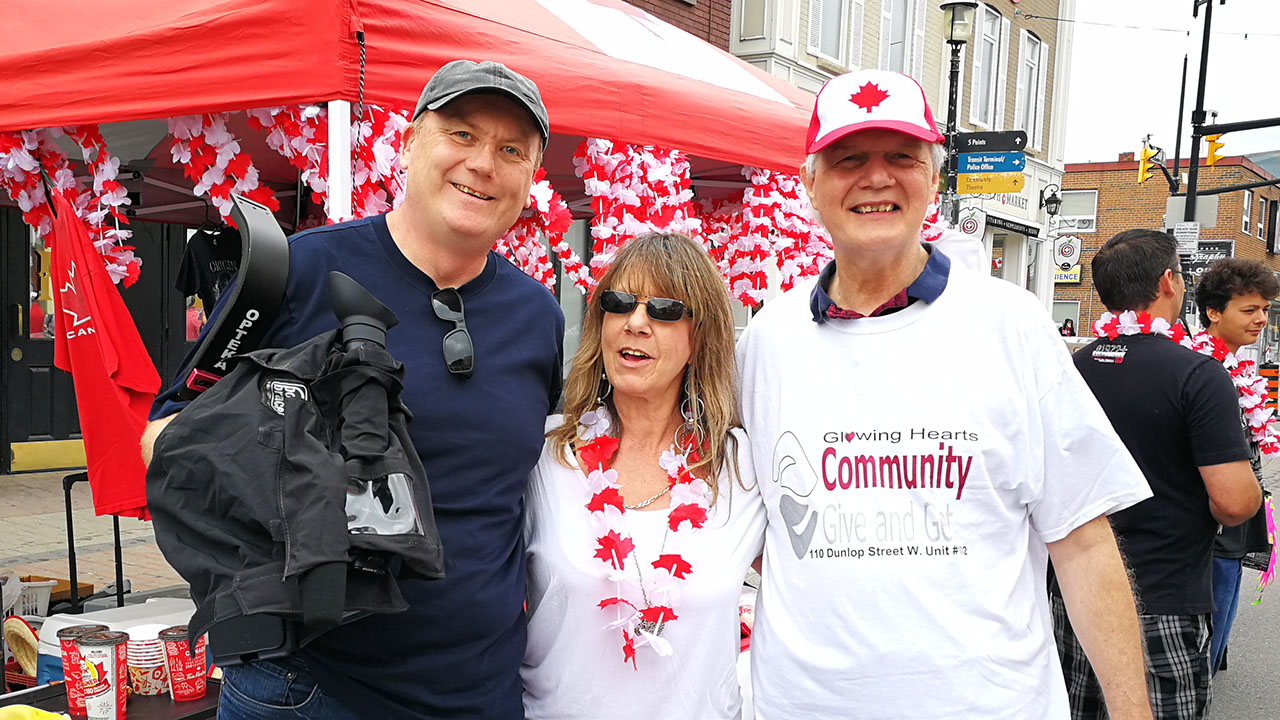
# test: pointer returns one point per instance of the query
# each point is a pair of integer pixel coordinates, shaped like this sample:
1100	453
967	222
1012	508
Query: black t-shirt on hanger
209	265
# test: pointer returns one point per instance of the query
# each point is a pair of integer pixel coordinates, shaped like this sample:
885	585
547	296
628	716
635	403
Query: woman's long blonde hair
665	265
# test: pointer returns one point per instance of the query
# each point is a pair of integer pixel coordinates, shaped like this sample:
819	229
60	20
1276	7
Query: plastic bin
34	599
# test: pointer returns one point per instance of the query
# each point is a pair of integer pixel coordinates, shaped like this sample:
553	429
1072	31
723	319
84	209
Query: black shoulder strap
254	299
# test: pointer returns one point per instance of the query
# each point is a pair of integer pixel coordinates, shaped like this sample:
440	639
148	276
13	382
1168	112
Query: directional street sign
980	183
988	162
991	141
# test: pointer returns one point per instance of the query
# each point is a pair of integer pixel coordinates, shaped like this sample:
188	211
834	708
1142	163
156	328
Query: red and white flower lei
1250	387
640	626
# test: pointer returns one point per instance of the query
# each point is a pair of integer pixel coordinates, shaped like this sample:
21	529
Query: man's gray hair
937	154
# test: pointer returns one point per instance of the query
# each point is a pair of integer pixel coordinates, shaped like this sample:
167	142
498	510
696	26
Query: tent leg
339	160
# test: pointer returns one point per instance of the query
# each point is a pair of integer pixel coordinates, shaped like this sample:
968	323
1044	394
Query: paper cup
105	672
71	670
186	673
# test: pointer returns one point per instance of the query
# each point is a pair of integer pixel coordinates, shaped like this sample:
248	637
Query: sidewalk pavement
33	536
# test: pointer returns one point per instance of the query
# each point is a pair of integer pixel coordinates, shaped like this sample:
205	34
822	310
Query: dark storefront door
39	426
38	412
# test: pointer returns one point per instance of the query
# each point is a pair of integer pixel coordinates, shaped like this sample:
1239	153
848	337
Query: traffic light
1144	163
1214	146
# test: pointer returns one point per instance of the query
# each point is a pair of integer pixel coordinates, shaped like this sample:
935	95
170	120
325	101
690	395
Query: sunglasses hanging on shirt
459	353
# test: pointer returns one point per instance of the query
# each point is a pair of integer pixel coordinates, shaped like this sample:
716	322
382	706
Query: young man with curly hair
1234	297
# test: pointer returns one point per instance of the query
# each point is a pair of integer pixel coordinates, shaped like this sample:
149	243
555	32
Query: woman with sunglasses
643	513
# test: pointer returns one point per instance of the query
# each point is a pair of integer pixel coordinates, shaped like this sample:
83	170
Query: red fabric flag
96	342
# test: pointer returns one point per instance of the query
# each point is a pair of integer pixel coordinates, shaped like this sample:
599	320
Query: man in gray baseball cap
481	343
464	76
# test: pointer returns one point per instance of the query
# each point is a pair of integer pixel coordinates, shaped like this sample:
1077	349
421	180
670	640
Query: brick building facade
1246	219
704	19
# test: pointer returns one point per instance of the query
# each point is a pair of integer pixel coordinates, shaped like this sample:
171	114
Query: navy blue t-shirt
457	651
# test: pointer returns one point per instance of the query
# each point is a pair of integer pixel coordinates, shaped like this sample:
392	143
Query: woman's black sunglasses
662	309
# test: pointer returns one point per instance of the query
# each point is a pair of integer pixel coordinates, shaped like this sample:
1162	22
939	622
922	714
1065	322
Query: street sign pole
1197	120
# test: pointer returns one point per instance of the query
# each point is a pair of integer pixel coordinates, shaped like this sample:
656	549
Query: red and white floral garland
640	626
212	159
1249	386
778	223
22	154
634	189
107	198
721	220
301	135
377	181
1110	325
547	216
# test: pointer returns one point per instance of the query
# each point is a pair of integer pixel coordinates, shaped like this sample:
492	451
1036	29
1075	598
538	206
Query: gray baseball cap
464	76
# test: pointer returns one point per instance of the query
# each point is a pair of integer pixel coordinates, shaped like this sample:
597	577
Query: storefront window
1269	347
40	307
997	256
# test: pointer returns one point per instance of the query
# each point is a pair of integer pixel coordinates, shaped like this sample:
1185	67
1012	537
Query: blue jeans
275	689
1226	595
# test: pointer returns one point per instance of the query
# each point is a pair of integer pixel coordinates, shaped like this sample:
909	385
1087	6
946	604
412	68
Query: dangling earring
603	394
691	410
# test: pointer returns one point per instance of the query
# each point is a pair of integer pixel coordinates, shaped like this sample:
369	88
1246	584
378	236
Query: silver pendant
651	627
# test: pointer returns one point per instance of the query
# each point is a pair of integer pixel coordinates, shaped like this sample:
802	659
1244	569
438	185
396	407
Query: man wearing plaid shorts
1176	411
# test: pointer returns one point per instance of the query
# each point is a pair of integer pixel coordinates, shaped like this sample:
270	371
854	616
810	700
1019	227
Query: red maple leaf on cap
868	96
614	549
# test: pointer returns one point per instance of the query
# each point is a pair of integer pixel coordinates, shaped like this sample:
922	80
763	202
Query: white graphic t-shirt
913	466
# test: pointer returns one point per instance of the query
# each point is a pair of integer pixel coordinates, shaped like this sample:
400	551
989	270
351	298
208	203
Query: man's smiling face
470	165
872	188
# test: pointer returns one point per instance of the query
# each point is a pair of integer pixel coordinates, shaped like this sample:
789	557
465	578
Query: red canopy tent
605	68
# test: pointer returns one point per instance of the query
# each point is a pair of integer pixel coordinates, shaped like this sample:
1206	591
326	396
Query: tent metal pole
339	160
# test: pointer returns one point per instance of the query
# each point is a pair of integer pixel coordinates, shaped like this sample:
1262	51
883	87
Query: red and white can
105	665
71	669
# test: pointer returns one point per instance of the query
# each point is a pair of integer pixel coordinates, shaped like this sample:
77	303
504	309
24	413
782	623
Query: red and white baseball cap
866	100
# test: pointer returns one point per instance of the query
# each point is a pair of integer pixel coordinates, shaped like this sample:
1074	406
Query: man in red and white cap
924	446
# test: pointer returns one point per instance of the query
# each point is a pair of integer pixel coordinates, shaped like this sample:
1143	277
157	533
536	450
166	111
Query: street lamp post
957	20
1050	200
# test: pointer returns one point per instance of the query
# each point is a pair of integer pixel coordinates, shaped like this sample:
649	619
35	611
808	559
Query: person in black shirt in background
1177	413
1234	297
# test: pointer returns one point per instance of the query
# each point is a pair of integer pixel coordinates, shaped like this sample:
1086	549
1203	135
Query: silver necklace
650	501
654	628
